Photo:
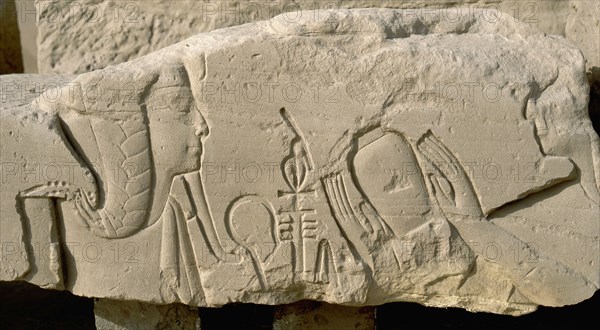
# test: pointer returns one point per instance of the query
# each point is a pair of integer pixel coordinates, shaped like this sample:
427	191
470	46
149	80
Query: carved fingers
451	186
363	223
87	212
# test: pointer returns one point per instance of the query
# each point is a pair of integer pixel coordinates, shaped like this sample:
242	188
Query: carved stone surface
30	249
76	38
354	157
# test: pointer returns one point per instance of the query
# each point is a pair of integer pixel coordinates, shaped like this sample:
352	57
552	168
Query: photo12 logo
62	12
236	92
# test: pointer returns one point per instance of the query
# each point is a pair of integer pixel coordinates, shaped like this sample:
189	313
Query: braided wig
109	113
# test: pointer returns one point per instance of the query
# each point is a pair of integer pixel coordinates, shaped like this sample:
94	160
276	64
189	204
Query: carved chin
194	154
193	159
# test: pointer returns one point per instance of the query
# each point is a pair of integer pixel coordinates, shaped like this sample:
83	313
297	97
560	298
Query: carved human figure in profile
143	149
390	206
410	199
133	151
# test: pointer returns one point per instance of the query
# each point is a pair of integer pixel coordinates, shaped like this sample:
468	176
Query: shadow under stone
26	306
594	105
413	316
237	316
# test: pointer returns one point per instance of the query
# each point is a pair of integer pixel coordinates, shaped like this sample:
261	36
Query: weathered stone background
79	36
76	36
11	60
28	28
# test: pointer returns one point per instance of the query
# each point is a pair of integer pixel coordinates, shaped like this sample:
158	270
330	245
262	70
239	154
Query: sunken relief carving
388	193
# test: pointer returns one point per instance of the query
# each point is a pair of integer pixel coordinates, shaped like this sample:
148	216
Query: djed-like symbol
295	222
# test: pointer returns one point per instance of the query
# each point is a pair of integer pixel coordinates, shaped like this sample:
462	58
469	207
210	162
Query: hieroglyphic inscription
298	222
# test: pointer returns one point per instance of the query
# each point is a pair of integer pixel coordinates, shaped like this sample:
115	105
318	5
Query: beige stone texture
354	157
133	315
29	249
11	60
80	36
583	30
312	315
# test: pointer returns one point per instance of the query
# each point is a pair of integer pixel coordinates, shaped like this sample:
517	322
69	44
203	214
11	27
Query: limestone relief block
79	36
354	157
30	249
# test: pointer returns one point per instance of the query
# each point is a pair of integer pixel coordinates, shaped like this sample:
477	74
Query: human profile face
176	130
